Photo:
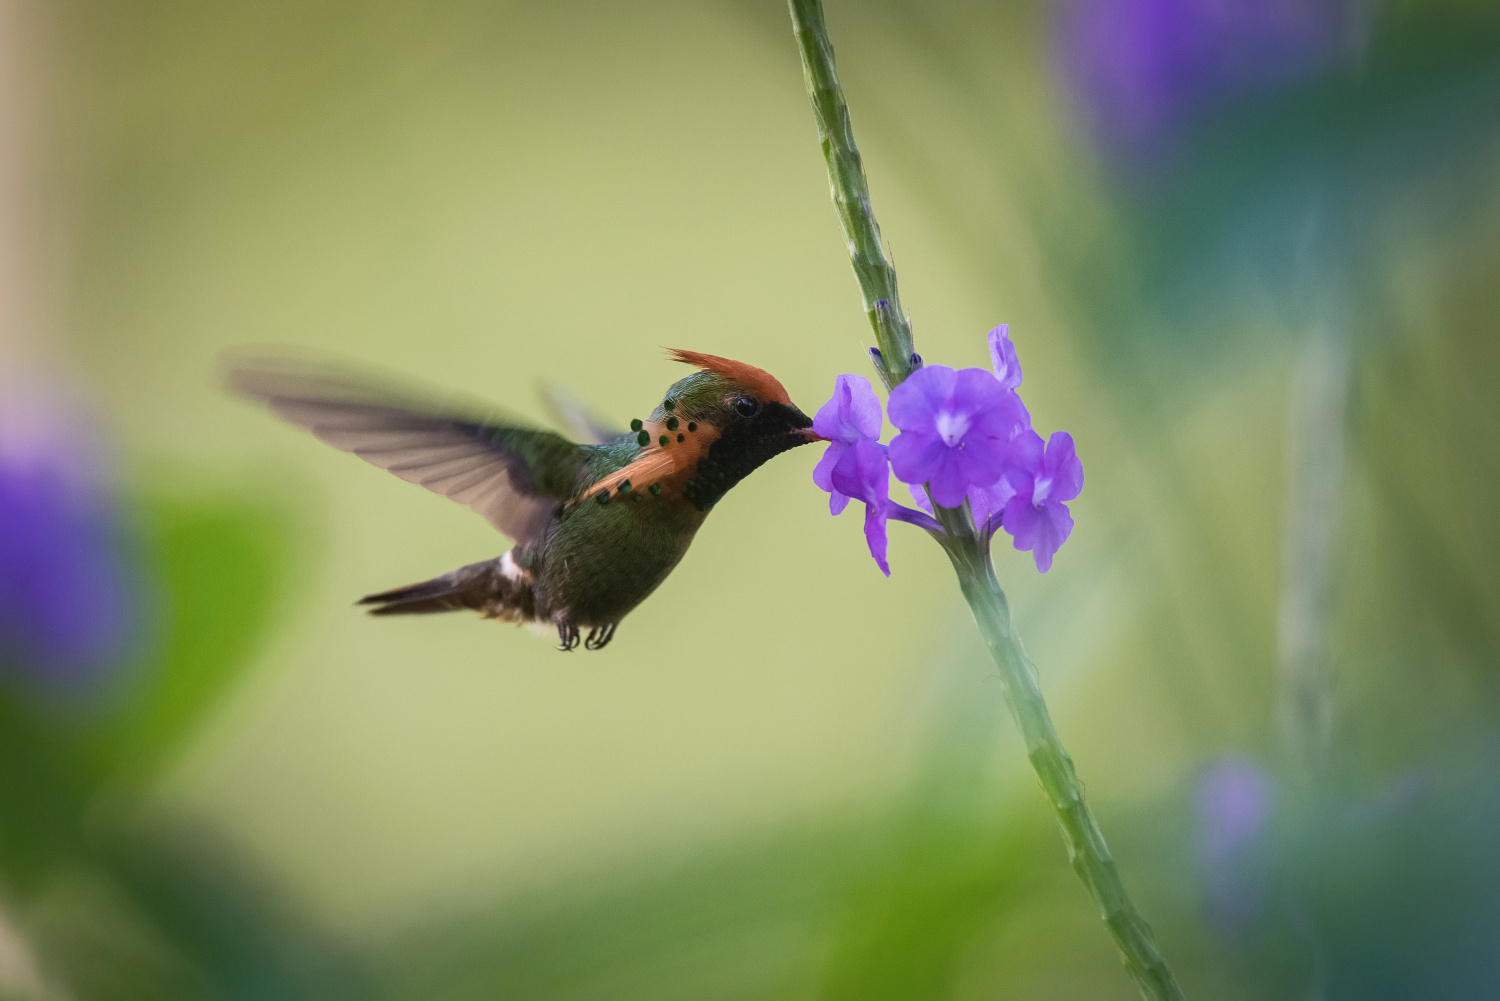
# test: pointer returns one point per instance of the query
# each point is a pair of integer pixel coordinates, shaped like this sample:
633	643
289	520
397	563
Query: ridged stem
851	196
968	551
1087	851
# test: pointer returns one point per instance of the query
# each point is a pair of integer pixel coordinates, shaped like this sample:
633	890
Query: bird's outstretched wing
516	477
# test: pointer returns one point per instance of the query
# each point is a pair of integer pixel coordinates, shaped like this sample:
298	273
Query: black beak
802	428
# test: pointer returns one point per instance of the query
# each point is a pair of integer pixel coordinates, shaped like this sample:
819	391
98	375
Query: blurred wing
577	417
516	477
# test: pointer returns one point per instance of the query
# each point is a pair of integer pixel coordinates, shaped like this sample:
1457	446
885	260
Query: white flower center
951	426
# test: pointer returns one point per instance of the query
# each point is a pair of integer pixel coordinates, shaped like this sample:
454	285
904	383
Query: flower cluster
1145	72
965	438
67	608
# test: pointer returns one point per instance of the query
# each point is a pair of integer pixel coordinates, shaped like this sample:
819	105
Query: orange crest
760	382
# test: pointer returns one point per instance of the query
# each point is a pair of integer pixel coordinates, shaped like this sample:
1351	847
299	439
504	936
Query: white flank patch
509	569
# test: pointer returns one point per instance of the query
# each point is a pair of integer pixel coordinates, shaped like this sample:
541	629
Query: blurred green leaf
221	566
42	796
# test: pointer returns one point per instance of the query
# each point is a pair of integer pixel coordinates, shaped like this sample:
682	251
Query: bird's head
746	414
710	430
738	400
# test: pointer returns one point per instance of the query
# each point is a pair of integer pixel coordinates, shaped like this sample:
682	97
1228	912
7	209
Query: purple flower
1044	479
1144	71
850	417
863	473
956	429
66	610
965	435
985	502
856	466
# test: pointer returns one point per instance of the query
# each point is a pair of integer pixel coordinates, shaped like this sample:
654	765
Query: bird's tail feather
431	596
478	586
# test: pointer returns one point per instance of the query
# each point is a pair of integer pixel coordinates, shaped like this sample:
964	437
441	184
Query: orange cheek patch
669	466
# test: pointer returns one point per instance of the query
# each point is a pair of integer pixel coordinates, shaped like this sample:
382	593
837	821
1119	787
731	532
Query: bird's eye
746	407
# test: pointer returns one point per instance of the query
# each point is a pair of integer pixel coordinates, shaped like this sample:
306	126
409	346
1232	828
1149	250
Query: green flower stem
851	195
1087	851
968	551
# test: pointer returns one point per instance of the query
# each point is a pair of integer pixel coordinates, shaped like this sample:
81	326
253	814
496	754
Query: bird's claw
599	637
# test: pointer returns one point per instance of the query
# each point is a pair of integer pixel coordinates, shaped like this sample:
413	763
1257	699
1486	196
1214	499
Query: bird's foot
567	635
599	637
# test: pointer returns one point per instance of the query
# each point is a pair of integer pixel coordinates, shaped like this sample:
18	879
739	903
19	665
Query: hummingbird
595	526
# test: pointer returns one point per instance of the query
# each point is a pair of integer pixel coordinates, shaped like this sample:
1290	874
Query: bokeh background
1250	255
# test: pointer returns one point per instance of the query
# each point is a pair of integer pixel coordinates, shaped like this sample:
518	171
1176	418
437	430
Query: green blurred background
1266	315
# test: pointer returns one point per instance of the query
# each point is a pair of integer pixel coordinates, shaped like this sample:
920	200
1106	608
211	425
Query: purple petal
985	502
1059	525
915	403
1005	419
919	496
949	483
823	471
981	462
948	472
1040	530
1003	360
976	393
852	414
1025	463
1023	522
863	472
1062	465
823	476
916	456
875	536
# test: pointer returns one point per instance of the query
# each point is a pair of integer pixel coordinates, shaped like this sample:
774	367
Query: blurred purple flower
851	416
1044	479
1233	803
1144	71
956	429
66	604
